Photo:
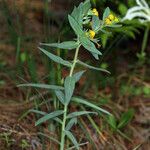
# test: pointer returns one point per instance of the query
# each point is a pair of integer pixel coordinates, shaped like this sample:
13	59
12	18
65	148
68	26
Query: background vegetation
125	93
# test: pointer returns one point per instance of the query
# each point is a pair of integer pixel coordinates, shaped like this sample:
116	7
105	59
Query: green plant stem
66	106
63	129
74	61
145	38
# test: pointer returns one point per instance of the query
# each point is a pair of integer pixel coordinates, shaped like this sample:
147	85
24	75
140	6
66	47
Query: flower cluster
111	19
91	34
95	12
96	24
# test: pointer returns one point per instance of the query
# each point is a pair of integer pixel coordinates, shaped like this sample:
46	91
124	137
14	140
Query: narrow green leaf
77	15
88	45
57	120
80	16
69	45
95	23
80	11
95	56
71	123
43	86
106	13
79	113
37	112
44	113
126	118
69	85
78	75
114	26
85	102
60	95
72	139
75	26
55	58
86	6
49	116
92	67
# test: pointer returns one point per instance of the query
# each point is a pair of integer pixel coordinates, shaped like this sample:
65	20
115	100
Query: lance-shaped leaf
69	85
56	58
78	75
86	6
77	15
87	44
69	45
75	26
71	123
85	102
49	116
95	23
44	113
37	112
79	113
114	25
95	56
80	11
106	13
43	86
73	139
92	67
60	95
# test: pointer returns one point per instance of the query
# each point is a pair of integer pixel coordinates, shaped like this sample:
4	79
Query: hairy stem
66	106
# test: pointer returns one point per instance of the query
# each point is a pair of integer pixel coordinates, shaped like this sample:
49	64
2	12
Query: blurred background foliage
126	92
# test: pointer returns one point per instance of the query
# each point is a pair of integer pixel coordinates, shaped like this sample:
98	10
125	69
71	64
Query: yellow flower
108	21
111	17
95	12
91	34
